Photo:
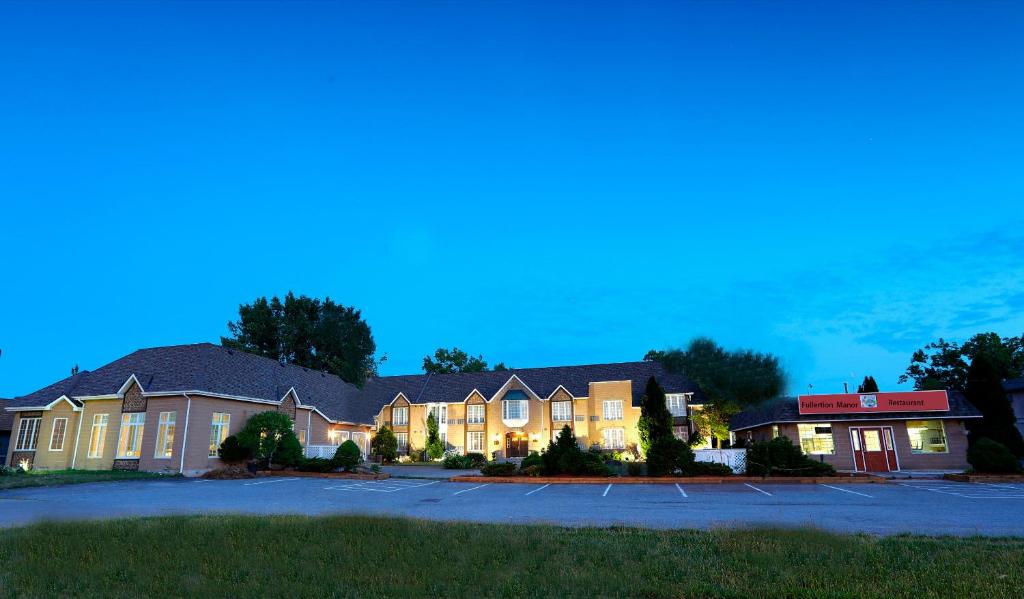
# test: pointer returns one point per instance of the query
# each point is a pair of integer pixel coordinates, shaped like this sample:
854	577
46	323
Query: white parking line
378	486
681	491
846	490
267	482
606	489
470	489
758	490
540	489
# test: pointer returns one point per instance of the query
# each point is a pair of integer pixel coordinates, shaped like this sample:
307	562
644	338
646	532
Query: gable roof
785	409
213	369
430	388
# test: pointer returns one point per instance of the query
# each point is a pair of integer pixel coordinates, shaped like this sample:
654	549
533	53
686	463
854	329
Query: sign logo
868	401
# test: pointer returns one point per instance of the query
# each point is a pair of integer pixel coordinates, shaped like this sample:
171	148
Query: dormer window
515	408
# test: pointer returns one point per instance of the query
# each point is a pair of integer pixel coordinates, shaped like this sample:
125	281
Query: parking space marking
540	489
380	486
846	490
758	490
606	489
267	482
681	491
471	489
968	492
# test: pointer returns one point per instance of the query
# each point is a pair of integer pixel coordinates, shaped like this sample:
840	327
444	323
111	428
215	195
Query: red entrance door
873	450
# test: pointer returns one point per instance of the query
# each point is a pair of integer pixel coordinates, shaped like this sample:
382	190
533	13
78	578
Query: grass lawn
40	478
243	556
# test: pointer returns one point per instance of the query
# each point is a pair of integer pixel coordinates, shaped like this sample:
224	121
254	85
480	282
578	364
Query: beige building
167	409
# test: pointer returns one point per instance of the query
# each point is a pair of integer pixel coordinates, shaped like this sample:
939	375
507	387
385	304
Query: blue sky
541	183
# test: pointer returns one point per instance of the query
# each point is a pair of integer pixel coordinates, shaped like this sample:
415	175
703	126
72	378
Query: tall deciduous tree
731	379
655	419
868	386
318	334
984	389
446	361
944	364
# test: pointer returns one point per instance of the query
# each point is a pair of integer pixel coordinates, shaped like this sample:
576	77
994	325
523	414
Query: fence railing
321	451
733	458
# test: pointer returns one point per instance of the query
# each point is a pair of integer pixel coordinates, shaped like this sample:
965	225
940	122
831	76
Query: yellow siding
111	407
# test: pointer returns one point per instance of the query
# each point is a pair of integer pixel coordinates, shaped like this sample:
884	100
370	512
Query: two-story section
508	414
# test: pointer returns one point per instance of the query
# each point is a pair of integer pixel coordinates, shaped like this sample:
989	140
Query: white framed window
613	409
561	411
130	442
676	403
816	438
614	438
98	435
926	436
515	409
165	435
403	442
337	437
219	425
400	416
475	413
28	434
475	441
60	427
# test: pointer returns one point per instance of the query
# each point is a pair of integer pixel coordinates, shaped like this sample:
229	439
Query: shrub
533	459
634	468
289	451
232	452
498	469
593	465
668	455
456	461
534	470
986	455
346	456
476	459
385	444
707	469
263	434
315	465
7	470
780	457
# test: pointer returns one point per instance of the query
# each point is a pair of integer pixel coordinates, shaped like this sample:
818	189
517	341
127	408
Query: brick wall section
14	457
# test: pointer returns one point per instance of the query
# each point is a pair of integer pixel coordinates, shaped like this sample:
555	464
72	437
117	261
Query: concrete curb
335	475
985	478
646	480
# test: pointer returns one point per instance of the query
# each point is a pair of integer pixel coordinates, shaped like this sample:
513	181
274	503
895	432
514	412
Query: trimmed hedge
498	469
780	457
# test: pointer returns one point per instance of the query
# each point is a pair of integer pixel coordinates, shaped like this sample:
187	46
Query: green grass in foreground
47	478
241	556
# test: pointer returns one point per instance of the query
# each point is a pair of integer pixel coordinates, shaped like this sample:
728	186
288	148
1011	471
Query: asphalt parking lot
915	506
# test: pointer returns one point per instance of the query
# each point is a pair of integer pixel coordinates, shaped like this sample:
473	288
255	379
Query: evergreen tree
655	419
385	444
435	447
984	389
868	386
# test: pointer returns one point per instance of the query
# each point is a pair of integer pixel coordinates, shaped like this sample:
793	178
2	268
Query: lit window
613	410
514	409
130	443
775	431
676	404
302	437
475	414
561	411
399	416
614	438
28	433
816	439
219	425
926	436
403	442
98	436
165	435
475	442
60	425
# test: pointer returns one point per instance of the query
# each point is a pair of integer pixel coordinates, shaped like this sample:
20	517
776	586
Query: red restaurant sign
859	403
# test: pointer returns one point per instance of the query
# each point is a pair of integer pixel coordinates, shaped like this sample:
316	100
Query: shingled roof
6	418
785	409
1014	385
213	369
